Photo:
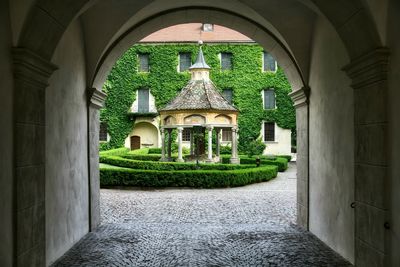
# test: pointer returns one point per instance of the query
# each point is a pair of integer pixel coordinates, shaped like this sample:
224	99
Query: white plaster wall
148	131
6	140
282	144
331	143
394	130
66	148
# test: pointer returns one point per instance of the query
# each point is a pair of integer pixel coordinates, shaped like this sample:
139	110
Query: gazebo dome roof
200	92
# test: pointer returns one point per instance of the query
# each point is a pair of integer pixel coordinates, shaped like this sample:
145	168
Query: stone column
372	209
169	145
218	142
210	152
180	159
96	100
301	103
31	75
163	158
234	155
191	142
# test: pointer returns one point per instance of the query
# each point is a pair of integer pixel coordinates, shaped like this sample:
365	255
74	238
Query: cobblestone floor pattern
244	226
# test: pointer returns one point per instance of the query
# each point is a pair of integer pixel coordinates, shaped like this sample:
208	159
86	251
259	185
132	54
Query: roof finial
200	62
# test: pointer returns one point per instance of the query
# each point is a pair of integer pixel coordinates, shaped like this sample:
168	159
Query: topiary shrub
255	147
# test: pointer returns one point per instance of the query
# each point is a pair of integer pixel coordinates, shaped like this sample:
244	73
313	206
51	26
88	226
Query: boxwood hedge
282	163
170	166
186	178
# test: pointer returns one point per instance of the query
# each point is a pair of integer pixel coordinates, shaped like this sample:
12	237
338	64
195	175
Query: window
186	135
207	27
269	131
226	135
103	131
269	63
144	62
226	61
143	100
228	94
269	99
185	61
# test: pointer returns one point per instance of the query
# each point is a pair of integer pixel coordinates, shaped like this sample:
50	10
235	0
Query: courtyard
252	225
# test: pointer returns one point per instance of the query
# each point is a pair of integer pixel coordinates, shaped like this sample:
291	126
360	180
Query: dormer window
207	27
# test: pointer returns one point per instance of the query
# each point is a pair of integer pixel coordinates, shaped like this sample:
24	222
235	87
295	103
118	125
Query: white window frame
262	98
263	131
262	66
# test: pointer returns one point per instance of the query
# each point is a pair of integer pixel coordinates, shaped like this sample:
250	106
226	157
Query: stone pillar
234	155
301	103
218	142
169	145
163	158
95	103
372	209
210	152
180	159
191	142
31	74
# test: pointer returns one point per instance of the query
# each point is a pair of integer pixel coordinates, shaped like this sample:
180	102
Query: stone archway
367	71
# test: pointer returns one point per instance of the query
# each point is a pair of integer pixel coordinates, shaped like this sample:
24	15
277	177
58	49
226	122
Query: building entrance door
135	142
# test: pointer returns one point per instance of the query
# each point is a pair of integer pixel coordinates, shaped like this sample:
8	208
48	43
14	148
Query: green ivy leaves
164	81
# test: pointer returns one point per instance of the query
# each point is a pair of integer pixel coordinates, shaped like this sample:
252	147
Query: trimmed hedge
114	152
168	166
144	157
288	157
155	150
282	163
197	178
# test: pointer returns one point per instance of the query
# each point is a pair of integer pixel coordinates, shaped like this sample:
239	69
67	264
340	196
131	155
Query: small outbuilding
197	108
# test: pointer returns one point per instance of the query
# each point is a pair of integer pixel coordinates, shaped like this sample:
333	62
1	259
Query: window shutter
143	100
144	62
226	61
185	61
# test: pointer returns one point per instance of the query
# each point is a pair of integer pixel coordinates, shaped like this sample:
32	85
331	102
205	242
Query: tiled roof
199	94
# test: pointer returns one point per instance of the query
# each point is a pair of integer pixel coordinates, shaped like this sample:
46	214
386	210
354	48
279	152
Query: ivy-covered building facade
151	73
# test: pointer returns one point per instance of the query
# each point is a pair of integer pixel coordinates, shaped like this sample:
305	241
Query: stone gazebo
199	106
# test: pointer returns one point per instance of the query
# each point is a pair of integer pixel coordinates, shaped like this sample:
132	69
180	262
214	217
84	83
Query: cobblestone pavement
245	226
